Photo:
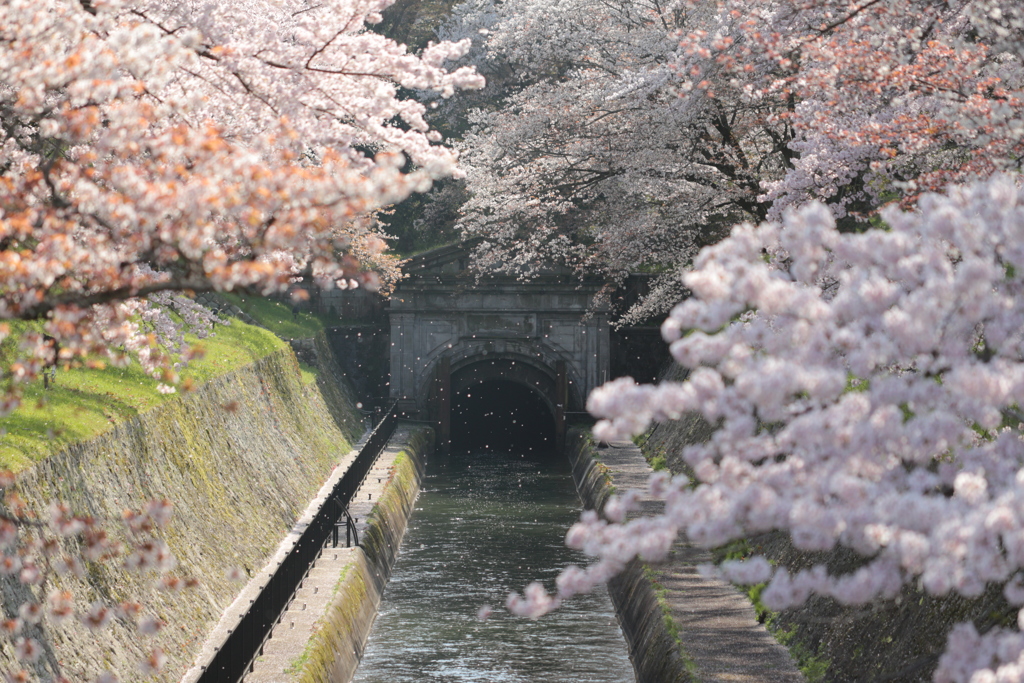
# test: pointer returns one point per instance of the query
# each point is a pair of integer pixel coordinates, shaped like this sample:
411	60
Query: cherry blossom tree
641	130
595	158
38	549
155	146
887	98
866	391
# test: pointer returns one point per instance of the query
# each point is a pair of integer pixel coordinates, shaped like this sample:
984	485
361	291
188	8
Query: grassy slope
277	317
84	403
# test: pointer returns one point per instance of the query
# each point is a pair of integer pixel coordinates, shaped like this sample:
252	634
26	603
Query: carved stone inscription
501	326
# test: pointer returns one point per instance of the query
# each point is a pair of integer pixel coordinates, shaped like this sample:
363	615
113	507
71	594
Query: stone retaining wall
240	457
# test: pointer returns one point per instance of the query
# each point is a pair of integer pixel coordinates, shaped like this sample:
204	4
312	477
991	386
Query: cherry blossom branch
82	300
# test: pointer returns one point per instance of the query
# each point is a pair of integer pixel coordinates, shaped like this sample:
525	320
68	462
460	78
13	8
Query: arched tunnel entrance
500	402
501	415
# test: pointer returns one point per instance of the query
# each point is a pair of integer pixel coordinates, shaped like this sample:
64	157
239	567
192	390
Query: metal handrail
237	654
351	530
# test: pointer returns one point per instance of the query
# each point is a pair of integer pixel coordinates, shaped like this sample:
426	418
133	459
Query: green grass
657	460
640	440
308	373
277	316
83	403
813	665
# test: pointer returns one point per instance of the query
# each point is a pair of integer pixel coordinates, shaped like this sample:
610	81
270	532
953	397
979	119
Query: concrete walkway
289	638
717	624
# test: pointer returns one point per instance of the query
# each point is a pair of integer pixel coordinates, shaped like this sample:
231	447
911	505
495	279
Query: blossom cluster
155	146
866	390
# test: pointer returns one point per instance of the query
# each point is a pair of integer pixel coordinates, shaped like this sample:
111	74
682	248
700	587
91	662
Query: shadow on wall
501	415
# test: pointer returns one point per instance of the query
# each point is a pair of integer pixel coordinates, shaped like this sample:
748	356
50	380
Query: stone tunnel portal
452	331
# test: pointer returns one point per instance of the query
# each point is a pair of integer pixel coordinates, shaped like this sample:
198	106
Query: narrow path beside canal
718	629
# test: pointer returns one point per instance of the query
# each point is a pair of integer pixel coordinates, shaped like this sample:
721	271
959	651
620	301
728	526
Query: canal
487	523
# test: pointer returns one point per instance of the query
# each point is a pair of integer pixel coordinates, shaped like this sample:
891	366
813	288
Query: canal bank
680	626
239	456
321	634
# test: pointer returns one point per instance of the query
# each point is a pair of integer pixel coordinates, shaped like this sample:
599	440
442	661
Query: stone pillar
443	383
561	398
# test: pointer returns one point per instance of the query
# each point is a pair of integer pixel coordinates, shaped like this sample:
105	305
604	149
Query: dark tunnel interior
500	415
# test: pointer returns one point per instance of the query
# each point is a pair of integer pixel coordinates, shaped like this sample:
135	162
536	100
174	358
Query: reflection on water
486	524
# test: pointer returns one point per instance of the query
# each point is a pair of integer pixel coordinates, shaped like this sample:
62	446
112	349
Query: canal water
486	524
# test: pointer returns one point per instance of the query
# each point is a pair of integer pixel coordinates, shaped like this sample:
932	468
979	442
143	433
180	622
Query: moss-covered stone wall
240	457
653	650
